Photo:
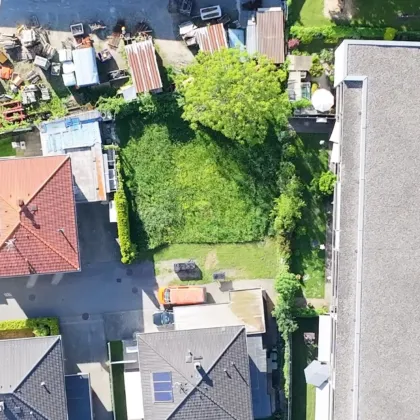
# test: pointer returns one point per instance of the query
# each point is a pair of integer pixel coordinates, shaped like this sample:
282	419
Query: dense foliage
127	248
197	186
327	182
287	209
40	327
317	68
238	96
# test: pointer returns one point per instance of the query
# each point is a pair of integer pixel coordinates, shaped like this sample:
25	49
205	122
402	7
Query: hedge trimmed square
41	327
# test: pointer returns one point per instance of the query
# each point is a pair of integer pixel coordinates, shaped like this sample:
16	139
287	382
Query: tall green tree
235	94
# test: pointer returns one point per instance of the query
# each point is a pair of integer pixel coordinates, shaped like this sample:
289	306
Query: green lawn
6	148
307	259
308	13
386	13
303	395
239	261
118	386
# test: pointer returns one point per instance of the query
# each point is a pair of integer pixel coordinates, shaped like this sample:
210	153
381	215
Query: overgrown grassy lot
6	148
307	259
195	186
303	395
258	260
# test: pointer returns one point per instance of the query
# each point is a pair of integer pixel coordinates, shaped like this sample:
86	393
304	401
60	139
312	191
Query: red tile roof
38	229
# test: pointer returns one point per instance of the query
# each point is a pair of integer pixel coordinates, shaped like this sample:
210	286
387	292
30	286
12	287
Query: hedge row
332	34
127	248
41	327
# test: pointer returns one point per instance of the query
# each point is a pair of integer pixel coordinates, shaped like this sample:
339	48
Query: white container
212	12
69	79
68	67
64	55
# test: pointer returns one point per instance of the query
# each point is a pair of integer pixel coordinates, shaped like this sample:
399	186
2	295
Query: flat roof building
79	136
376	258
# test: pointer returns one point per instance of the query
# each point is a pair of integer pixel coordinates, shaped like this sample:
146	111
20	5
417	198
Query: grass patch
257	260
118	386
308	13
195	186
6	148
303	395
307	259
379	13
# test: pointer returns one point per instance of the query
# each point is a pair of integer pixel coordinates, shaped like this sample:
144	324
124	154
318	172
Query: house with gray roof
376	224
195	374
32	381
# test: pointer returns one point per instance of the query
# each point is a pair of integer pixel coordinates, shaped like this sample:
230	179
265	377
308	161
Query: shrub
327	182
327	55
287	208
317	69
332	34
127	248
314	87
310	312
293	43
301	103
390	34
41	327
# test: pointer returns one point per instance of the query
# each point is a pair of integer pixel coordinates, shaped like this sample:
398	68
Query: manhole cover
135	290
85	316
118	280
32	297
129	272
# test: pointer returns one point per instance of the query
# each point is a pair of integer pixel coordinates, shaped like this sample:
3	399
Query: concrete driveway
105	301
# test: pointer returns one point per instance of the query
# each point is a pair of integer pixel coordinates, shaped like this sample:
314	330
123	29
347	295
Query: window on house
162	386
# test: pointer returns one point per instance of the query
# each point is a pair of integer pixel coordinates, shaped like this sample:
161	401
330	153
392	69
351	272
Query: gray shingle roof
32	379
220	390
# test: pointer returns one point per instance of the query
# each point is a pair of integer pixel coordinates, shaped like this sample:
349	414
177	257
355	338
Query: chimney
21	203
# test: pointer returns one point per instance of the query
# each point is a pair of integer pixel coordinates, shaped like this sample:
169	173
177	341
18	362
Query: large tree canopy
232	93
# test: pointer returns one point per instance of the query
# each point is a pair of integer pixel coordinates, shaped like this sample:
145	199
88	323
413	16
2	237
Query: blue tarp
236	38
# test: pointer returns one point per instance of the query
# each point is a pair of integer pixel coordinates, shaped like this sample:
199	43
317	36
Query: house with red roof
38	228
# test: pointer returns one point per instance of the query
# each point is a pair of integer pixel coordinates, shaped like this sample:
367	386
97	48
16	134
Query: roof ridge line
48	179
17	224
57	338
48	245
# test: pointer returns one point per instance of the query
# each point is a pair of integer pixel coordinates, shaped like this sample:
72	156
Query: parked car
182	295
163	318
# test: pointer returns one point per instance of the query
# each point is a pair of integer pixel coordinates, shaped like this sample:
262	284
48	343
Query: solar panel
162	377
162	386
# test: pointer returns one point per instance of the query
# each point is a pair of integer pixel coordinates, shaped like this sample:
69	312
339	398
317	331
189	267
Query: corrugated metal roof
143	65
270	33
211	38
